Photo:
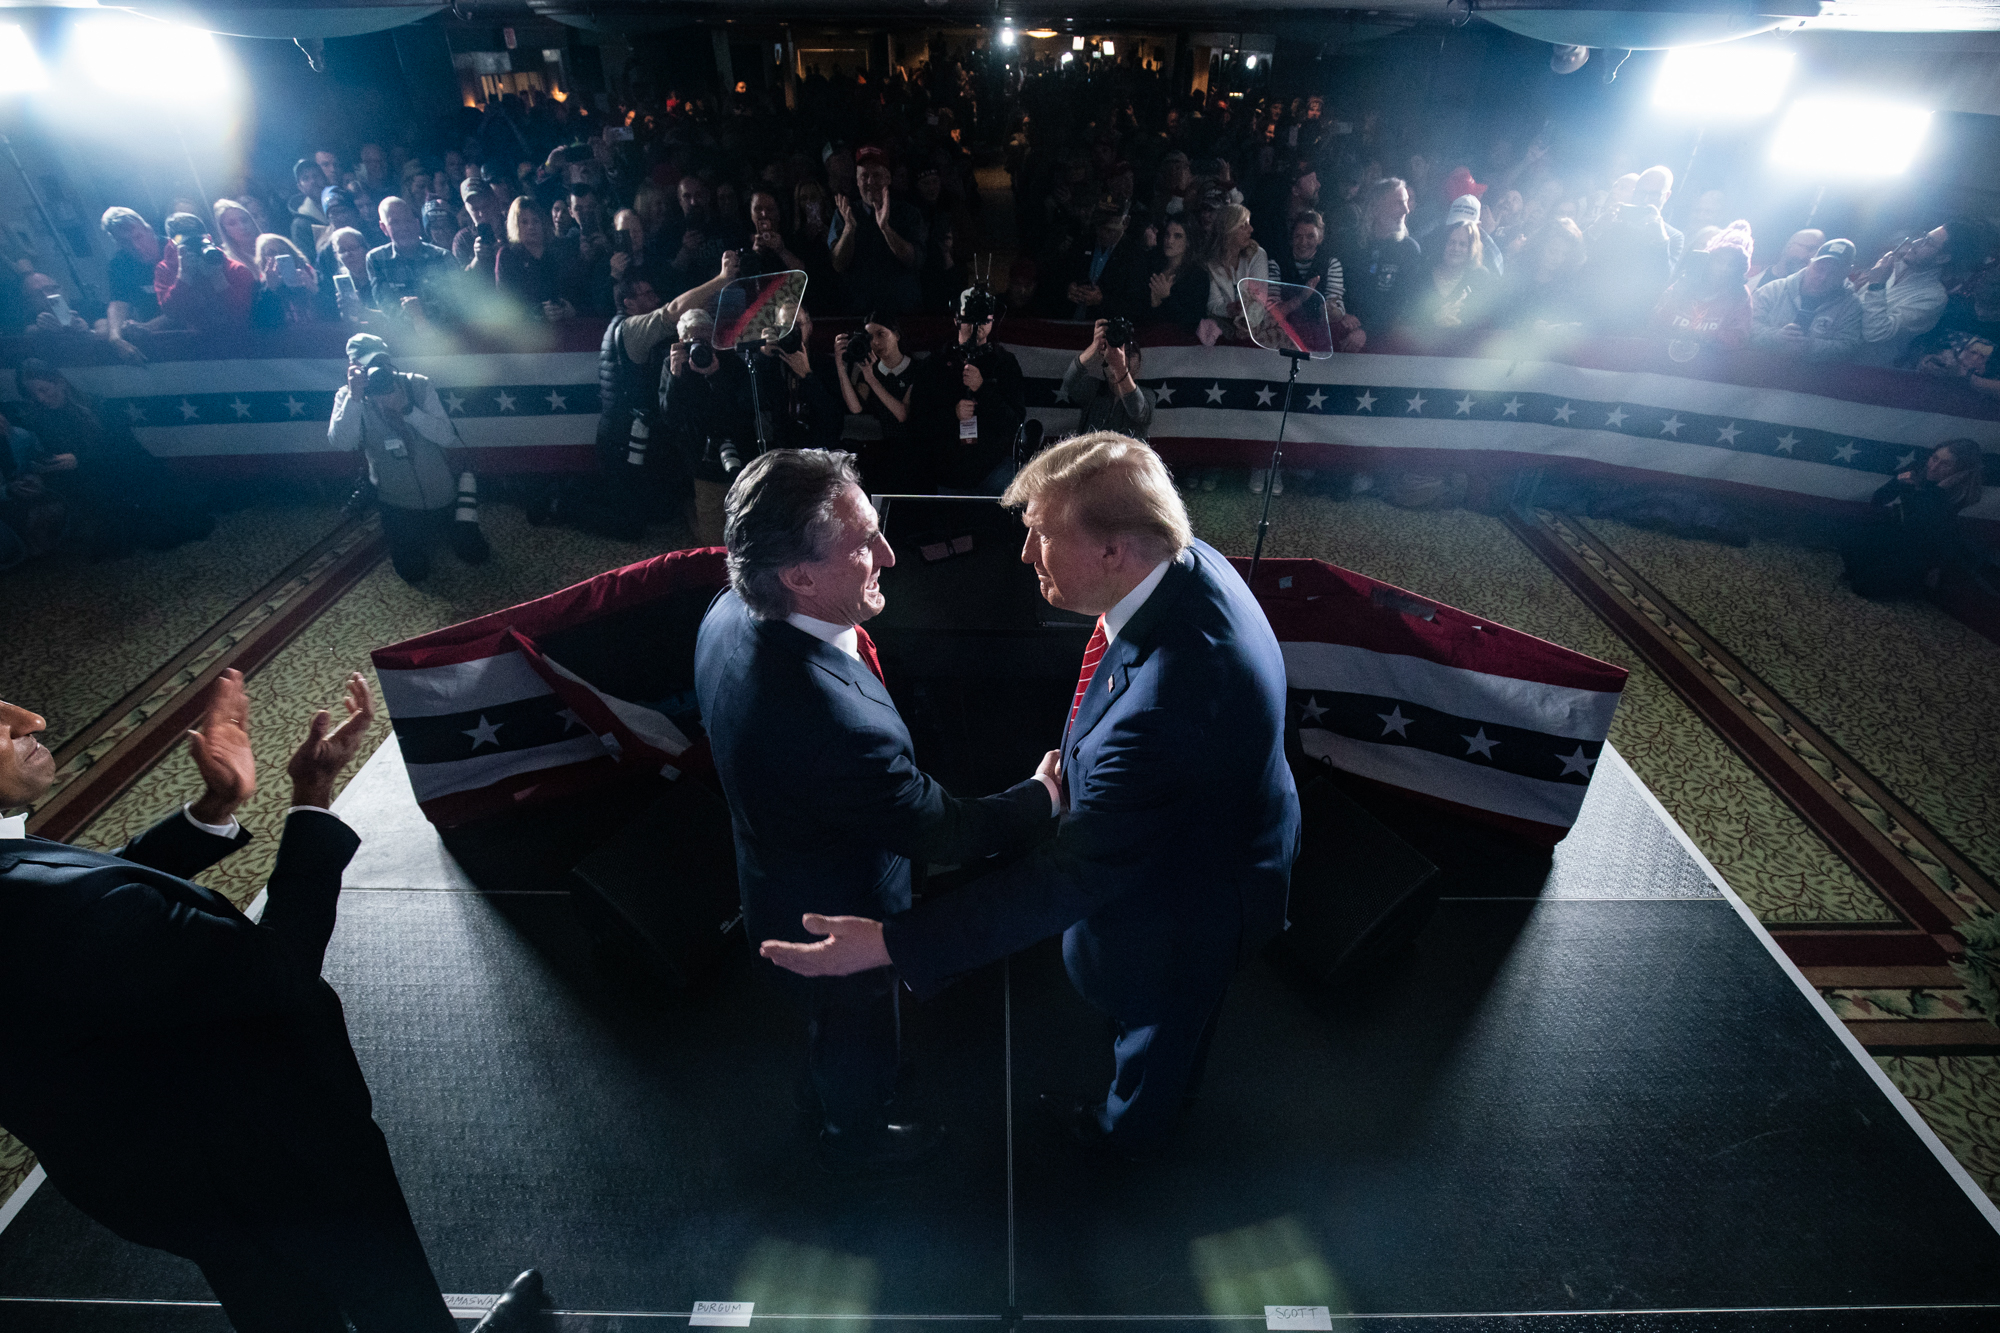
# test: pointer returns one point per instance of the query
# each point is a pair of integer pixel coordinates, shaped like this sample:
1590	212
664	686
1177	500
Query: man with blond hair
1180	821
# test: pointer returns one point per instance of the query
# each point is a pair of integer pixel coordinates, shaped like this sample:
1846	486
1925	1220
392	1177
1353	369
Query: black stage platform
1592	1099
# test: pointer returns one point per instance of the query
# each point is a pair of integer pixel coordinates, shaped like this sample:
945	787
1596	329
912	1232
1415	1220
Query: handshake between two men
1158	838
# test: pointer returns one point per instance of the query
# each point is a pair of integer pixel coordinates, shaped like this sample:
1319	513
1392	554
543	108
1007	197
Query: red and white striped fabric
488	721
1420	696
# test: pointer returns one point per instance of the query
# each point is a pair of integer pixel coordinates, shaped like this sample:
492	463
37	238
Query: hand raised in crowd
327	749
558	310
1116	370
220	748
692	240
1099	344
357	377
677	358
844	205
55	463
882	209
620	261
972	379
1160	286
732	264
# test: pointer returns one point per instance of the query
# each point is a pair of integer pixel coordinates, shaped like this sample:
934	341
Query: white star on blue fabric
1617	419
1727	434
1062	395
1478	744
1575	763
1511	408
293	407
1786	441
1845	453
135	412
570	719
189	411
1906	460
1265	395
1565	412
1311	710
454	402
1163	395
1314	399
1464	407
1417	403
1214	392
241	408
506	401
557	403
1393	720
1365	403
486	733
1672	426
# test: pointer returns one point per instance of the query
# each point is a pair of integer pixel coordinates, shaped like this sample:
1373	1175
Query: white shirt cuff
316	809
229	830
1055	793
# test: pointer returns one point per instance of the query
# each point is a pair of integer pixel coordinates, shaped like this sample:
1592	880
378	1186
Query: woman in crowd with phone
344	293
236	232
287	285
877	380
535	267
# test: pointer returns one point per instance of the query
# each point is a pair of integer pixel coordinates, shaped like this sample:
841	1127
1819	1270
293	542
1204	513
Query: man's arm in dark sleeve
864	781
1131	807
176	846
304	889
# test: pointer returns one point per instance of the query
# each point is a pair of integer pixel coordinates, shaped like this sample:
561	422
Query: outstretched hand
220	747
852	944
328	749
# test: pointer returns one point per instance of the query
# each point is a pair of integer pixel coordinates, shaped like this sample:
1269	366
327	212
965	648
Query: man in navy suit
1174	852
182	1072
826	801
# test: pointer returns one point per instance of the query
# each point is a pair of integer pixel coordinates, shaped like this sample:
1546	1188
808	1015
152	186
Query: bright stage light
1249	62
20	68
1725	80
160	62
1006	37
1841	136
1110	48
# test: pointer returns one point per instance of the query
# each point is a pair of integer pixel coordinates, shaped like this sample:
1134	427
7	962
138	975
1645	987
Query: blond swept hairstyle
1111	485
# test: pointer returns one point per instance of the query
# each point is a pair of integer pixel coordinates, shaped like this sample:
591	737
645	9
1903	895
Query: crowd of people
1137	211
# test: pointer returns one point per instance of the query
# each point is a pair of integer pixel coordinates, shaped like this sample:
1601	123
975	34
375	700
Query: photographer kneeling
705	409
401	429
1115	402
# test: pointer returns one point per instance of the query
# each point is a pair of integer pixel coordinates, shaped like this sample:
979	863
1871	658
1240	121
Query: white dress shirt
1128	606
13	827
842	637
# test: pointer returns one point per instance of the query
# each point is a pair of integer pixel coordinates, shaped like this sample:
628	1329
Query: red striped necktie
866	647
1093	653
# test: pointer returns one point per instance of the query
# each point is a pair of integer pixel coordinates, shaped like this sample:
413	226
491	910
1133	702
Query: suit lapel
1132	646
827	658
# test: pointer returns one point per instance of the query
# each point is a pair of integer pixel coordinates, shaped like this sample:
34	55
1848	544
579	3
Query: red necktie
866	647
1093	653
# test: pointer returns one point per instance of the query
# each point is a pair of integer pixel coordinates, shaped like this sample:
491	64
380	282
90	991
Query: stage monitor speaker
1360	894
960	603
662	890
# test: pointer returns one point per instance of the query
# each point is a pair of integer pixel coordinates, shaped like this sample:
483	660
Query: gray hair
779	513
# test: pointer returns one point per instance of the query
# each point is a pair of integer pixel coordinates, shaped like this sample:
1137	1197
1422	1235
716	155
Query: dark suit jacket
825	796
172	1063
1175	856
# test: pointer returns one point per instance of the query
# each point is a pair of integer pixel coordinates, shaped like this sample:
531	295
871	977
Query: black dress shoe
520	1307
878	1150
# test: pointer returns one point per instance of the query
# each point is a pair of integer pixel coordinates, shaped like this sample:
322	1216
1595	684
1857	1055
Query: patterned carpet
81	634
1907	694
1902	686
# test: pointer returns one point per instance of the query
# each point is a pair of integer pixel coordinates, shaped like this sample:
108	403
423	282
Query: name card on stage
722	1314
1314	1317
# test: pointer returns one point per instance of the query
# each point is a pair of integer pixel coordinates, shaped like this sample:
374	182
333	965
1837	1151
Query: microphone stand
1277	457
